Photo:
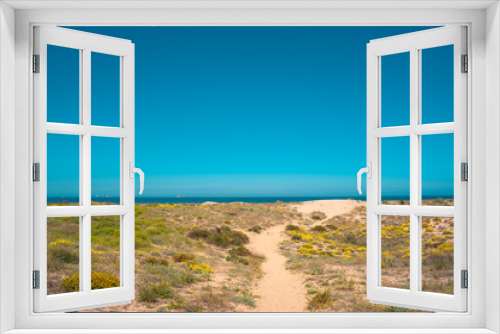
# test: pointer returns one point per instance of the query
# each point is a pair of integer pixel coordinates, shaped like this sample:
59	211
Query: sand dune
330	207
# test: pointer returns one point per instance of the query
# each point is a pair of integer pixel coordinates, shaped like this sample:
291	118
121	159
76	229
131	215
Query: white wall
492	163
7	163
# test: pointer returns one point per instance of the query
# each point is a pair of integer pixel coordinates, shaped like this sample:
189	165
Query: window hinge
36	172
36	63
464	171
465	64
465	279
36	279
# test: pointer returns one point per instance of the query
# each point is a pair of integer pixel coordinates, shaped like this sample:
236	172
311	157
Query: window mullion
414	170
85	167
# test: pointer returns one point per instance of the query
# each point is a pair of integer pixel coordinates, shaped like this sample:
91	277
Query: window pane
437	254
395	169
105	90
437	85
395	89
105	170
395	233
63	169
105	252
63	255
437	169
63	85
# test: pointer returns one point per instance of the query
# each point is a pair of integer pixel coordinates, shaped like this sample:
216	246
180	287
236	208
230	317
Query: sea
253	199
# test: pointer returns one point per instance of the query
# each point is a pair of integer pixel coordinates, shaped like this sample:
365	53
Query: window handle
368	171
134	170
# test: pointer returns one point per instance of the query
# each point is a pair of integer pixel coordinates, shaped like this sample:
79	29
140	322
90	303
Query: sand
281	290
330	207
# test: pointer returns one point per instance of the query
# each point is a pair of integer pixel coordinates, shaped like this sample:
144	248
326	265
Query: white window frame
85	43
482	19
414	43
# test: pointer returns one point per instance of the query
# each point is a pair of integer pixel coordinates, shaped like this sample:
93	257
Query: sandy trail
280	290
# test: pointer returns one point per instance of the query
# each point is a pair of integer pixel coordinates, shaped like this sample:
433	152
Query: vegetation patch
237	259
221	236
255	229
151	293
240	251
99	281
182	257
322	300
246	298
156	260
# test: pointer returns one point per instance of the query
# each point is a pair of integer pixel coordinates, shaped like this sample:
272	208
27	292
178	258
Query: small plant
322	300
317	215
240	251
246	298
237	259
318	228
182	257
202	268
156	260
291	227
255	229
221	236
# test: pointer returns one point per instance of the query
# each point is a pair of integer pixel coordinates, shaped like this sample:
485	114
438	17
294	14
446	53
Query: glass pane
105	90
395	170
395	233
395	89
437	169
437	85
63	169
105	170
105	252
63	255
63	85
437	254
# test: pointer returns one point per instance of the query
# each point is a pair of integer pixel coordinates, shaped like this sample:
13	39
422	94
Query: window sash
86	297
413	43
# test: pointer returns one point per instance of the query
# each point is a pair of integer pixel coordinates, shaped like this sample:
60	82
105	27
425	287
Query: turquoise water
231	199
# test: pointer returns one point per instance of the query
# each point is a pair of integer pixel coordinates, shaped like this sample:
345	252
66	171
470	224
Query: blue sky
250	111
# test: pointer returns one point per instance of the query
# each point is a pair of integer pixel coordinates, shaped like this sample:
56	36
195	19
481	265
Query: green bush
292	228
318	228
236	259
152	293
322	300
240	251
255	228
221	236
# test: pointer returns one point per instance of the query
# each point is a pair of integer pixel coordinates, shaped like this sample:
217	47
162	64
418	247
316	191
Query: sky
250	111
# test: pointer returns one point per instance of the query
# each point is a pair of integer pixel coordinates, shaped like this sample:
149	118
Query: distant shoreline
256	199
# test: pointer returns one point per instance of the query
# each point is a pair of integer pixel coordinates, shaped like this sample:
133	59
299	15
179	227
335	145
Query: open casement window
69	273
429	276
